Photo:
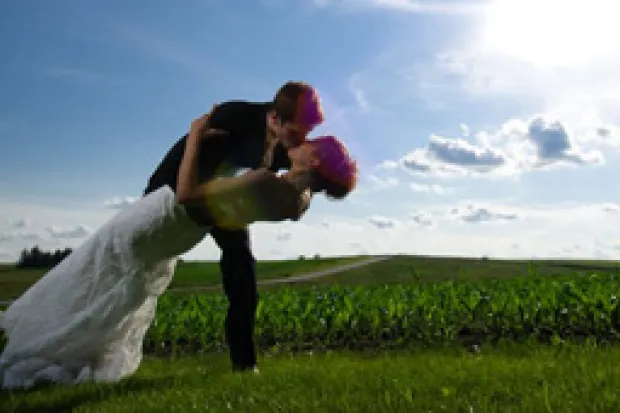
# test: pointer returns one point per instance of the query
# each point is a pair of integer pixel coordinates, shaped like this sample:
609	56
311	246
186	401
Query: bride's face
303	157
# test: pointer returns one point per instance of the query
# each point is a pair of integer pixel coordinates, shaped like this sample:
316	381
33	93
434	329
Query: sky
481	128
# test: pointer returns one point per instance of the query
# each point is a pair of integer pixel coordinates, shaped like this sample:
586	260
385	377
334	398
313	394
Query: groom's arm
212	151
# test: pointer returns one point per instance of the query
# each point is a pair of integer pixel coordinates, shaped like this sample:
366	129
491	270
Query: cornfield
522	308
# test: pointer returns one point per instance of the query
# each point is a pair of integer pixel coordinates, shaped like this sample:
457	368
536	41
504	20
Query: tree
36	258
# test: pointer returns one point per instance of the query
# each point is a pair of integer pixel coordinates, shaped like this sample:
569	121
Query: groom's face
294	135
291	134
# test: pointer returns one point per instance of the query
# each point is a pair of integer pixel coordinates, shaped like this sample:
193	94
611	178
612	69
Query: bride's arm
258	195
188	177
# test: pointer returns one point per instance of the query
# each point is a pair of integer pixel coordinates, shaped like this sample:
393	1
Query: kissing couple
86	319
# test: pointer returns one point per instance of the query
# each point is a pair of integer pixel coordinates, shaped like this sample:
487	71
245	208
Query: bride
86	319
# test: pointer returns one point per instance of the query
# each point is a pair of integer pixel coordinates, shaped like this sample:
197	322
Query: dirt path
295	278
287	280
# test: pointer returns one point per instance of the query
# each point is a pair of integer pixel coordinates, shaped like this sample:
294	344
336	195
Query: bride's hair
336	173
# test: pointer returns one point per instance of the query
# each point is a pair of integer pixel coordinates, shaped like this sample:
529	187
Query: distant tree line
37	258
303	257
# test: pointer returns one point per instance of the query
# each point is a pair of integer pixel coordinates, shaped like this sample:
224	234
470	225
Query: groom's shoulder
241	106
238	111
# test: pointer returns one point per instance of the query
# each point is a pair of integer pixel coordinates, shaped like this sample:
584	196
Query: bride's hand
200	127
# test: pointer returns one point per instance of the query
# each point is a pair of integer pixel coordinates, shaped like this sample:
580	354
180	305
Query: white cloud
453	157
431	230
388	164
484	77
7	256
538	230
50	225
410	6
382	222
359	95
517	146
421	219
19	235
473	214
79	231
550	38
611	208
429	188
13	239
19	223
500	56
379	183
120	202
528	51
465	130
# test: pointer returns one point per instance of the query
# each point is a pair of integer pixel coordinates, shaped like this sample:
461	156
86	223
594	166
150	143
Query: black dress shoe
252	369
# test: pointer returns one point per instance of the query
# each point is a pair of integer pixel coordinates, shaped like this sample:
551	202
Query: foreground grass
513	378
13	282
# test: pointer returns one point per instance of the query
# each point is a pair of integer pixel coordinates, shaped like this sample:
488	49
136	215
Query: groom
259	134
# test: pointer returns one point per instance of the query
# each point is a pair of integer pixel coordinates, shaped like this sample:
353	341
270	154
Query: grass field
13	282
422	270
405	269
399	269
431	334
509	379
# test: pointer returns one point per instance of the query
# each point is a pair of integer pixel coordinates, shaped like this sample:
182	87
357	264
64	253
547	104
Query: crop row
566	307
524	308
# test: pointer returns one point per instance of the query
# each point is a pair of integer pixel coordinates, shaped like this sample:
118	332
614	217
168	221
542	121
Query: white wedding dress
86	319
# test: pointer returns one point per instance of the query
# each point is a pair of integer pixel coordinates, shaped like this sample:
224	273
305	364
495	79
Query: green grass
399	269
435	306
13	282
190	274
425	270
418	269
506	379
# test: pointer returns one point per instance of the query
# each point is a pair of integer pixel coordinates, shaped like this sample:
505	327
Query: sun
552	32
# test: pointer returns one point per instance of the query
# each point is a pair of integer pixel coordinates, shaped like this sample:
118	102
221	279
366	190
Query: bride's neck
301	179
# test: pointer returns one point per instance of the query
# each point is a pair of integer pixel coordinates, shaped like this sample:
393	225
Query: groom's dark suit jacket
244	147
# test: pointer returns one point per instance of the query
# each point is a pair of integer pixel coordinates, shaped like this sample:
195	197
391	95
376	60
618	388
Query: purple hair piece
335	163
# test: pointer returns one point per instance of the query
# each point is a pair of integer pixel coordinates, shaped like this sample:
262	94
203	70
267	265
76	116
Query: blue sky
474	135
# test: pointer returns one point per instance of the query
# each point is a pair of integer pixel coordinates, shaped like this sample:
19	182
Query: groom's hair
299	102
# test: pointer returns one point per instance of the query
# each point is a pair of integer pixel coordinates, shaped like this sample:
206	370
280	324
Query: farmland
407	334
13	282
565	307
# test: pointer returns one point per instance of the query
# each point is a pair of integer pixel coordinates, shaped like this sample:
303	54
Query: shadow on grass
88	393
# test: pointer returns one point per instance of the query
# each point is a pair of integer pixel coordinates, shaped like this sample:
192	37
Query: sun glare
552	32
